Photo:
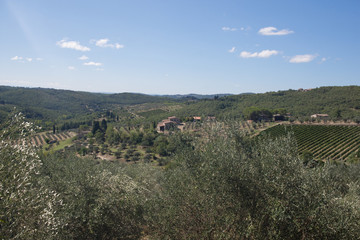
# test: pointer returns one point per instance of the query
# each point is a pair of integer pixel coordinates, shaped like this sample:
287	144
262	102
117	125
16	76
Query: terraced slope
324	141
39	139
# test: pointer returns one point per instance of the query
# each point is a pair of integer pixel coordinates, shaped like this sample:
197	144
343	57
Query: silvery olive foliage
231	186
102	200
27	208
220	184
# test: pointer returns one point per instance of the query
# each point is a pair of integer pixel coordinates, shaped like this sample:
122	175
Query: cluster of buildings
173	122
304	90
168	124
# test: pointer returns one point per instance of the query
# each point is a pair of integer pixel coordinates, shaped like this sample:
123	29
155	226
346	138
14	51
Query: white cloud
16	58
245	54
267	53
229	29
83	57
72	45
272	31
23	59
71	68
118	46
262	54
99	69
92	64
104	43
302	58
232	50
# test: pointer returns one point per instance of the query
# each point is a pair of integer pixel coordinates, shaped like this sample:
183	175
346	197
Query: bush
100	200
233	187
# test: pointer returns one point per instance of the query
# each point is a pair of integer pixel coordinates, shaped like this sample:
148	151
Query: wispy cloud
324	59
99	69
15	82
262	54
232	50
72	45
229	29
118	46
71	68
83	57
302	58
273	31
16	58
92	64
24	59
104	43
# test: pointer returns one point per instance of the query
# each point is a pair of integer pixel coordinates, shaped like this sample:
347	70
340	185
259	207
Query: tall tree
104	125
96	126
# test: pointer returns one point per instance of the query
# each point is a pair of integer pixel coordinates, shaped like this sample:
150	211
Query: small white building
320	116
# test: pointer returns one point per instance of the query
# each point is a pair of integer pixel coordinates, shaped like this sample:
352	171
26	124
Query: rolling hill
50	104
40	103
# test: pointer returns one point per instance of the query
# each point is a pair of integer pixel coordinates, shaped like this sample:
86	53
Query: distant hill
195	96
51	103
337	102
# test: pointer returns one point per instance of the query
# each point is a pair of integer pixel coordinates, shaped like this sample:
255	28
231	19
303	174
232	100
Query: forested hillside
50	104
337	102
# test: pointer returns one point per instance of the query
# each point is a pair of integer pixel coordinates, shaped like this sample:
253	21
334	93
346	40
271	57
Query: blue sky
173	46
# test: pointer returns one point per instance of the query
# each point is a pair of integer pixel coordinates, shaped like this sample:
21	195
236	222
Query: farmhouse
304	90
320	116
168	123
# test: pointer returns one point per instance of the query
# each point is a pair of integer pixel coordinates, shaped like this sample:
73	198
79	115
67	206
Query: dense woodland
81	165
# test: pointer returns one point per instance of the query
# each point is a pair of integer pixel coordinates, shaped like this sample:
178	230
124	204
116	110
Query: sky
179	46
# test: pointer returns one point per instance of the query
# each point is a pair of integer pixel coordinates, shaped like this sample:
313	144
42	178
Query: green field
323	141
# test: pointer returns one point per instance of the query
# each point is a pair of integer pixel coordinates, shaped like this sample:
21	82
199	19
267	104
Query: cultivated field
324	142
41	139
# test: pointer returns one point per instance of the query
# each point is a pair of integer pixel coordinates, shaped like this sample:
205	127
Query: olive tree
27	207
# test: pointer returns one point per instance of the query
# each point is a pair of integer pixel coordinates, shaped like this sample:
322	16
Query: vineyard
249	127
324	142
42	138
